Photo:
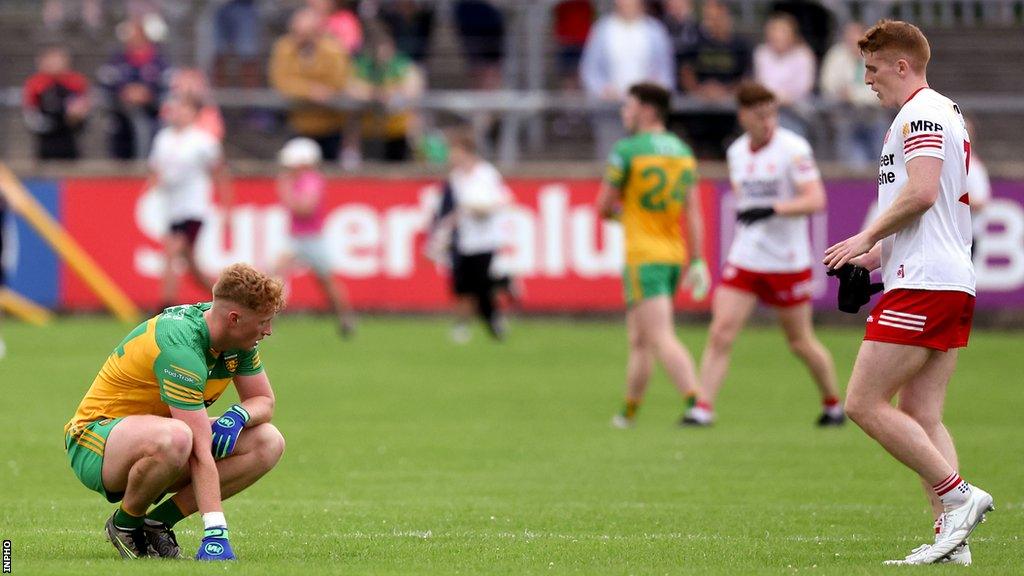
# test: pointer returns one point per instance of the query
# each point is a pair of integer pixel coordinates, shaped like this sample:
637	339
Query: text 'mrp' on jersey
760	177
655	172
165	361
934	252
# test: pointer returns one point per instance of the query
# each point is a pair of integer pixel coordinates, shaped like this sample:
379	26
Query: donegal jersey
165	361
933	252
654	173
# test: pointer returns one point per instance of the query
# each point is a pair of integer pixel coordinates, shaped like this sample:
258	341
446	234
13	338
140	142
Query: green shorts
85	454
640	281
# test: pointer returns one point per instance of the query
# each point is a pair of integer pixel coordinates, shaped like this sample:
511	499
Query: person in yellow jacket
311	69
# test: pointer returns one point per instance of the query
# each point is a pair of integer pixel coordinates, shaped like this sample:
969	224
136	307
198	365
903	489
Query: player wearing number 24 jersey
650	185
921	240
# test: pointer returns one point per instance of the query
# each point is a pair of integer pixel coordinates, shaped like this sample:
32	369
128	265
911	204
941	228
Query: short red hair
901	39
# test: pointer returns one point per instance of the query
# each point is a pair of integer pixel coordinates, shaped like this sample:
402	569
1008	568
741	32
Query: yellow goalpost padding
78	259
24	309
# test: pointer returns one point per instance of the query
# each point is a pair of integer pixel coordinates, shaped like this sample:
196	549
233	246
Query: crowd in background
373	53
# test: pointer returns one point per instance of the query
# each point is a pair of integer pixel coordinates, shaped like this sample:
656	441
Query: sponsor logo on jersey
921	126
179	376
899	272
231	362
886	176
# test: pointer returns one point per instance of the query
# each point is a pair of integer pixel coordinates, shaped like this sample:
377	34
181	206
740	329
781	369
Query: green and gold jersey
165	361
655	172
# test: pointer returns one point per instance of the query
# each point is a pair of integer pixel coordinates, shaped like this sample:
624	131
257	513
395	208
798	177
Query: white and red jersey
934	252
760	178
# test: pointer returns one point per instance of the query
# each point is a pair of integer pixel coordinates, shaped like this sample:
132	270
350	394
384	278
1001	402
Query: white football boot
960	555
957	525
621	422
698	416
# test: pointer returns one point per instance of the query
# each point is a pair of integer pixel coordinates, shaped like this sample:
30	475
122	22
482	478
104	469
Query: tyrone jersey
934	252
165	361
760	178
654	173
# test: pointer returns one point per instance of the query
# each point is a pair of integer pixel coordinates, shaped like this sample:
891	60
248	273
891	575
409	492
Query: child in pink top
301	189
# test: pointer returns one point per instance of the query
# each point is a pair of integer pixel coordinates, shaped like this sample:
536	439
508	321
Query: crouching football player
142	430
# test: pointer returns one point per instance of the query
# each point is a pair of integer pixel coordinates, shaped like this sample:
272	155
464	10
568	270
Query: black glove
751	215
855	287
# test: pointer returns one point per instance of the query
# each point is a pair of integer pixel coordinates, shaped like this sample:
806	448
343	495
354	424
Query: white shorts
310	251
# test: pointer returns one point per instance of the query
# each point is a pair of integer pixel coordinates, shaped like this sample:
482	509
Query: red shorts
938	319
780	289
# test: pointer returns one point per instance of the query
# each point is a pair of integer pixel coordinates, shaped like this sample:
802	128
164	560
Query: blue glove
215	545
226	430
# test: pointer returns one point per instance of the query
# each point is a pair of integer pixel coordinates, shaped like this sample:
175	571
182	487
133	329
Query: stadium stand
969	40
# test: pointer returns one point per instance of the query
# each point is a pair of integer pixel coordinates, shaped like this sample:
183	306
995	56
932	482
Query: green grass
407	454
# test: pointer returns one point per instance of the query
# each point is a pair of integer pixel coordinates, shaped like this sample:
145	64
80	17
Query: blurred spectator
134	81
785	65
468	230
56	104
481	29
183	167
978	187
857	119
624	48
392	83
191	83
573	19
340	23
411	23
300	187
815	20
683	28
711	72
311	69
719	61
236	33
55	13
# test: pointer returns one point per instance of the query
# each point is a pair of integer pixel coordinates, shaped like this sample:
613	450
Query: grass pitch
408	454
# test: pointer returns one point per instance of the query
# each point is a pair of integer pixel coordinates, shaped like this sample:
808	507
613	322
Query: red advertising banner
564	255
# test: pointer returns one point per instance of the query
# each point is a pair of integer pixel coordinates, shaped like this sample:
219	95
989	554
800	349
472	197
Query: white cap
300	152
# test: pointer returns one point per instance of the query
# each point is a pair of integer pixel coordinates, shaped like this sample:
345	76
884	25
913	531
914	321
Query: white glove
698	279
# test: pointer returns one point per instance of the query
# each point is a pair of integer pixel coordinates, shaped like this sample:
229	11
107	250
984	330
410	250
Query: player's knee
720	338
173	441
857	409
802	347
270	445
921	415
638	341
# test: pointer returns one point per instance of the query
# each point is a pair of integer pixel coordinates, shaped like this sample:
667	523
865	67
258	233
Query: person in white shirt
777	187
979	189
183	164
921	240
474	230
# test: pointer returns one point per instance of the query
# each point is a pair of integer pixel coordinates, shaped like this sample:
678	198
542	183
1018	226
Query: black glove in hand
855	287
751	215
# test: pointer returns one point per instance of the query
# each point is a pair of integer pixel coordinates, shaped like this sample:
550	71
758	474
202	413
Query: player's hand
855	287
751	215
838	255
698	279
226	430
215	545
